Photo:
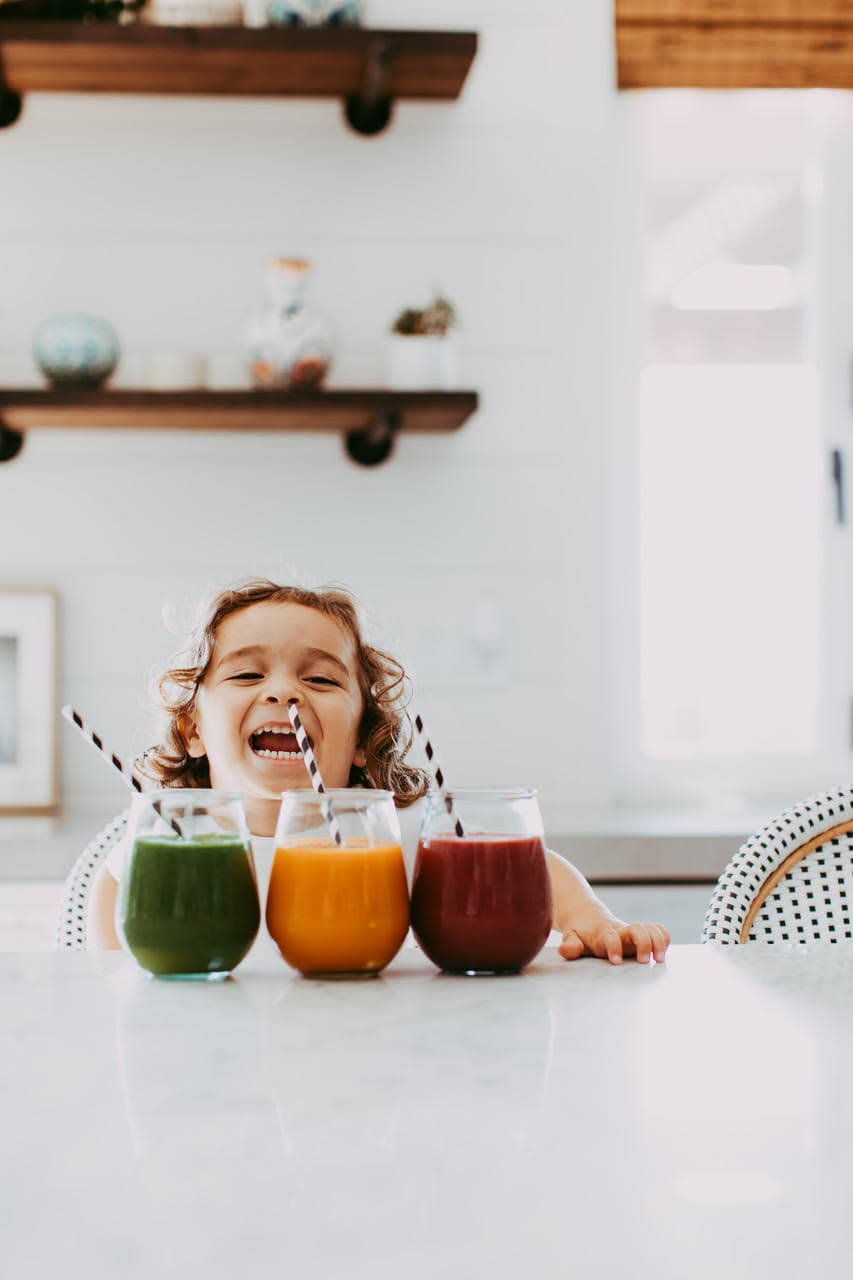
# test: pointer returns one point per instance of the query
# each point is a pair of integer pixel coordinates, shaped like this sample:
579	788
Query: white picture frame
28	701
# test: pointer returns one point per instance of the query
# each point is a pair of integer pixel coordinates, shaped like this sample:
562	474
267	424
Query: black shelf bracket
371	445
10	104
369	110
11	442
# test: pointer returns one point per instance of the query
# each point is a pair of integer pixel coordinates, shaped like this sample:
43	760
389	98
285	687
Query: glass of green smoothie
188	899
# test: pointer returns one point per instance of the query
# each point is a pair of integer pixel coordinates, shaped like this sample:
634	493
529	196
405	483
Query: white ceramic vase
288	345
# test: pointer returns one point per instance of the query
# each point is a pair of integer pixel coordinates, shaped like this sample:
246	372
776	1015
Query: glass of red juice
481	902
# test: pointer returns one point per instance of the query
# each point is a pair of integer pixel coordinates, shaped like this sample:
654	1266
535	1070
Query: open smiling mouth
274	742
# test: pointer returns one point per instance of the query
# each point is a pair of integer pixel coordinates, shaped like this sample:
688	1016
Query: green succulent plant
437	319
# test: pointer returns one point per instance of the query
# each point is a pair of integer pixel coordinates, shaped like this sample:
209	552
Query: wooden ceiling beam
774	11
734	44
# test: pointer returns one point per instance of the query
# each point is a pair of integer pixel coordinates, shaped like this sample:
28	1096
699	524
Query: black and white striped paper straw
97	742
439	777
314	773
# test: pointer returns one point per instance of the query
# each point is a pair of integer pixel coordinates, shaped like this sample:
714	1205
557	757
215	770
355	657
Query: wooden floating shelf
332	410
368	68
368	419
734	44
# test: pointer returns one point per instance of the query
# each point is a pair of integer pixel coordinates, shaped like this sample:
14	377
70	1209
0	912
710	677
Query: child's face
264	655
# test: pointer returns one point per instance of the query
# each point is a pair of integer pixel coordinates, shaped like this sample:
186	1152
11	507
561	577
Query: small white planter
193	13
421	362
176	370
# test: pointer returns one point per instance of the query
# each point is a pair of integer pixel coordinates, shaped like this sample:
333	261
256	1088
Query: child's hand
598	933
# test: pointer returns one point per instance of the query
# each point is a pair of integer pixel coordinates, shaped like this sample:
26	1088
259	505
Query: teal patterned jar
313	13
76	350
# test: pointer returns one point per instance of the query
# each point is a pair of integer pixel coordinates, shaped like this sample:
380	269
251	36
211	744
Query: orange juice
338	909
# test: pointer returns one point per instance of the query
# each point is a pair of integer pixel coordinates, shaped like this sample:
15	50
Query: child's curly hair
385	732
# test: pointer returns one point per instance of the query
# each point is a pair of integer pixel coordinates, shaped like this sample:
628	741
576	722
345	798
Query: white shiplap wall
480	556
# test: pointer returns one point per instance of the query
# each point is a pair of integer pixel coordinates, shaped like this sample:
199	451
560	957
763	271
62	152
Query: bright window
729	556
731	574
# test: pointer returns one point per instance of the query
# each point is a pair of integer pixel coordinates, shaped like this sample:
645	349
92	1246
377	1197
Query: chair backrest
71	930
792	881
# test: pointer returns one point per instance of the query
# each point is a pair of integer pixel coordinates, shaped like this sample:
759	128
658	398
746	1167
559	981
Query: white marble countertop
686	1120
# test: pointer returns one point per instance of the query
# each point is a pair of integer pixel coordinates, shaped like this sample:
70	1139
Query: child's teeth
268	729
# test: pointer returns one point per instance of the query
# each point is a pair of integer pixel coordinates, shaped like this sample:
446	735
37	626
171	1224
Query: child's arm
100	922
589	928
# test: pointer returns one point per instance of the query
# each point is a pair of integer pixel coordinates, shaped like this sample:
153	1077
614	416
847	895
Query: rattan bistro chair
71	931
792	881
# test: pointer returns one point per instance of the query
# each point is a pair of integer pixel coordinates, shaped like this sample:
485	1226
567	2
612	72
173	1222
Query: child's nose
282	691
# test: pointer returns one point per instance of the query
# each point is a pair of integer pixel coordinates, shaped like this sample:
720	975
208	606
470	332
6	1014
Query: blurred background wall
478	556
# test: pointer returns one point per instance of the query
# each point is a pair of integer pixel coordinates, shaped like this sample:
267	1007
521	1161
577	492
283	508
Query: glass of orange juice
338	910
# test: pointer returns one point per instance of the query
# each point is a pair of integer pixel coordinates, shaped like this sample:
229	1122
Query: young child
229	728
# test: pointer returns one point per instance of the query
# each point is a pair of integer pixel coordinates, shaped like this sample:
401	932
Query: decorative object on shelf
28	710
193	13
421	348
314	13
288	344
169	370
76	350
255	13
122	11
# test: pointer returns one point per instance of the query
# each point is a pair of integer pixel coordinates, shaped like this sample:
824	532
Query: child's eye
246	675
319	680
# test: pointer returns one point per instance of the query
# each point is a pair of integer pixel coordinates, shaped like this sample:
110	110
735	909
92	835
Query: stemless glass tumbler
481	902
188	900
338	910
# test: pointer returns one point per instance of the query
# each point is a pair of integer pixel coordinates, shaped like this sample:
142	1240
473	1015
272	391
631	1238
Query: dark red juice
481	902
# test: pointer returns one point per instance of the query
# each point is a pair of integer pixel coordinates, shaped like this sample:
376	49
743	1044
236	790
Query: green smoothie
189	906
